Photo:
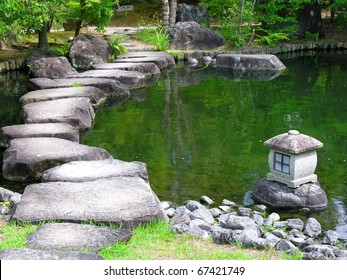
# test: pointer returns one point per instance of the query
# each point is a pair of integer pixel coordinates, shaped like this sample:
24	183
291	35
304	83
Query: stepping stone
267	62
148	69
29	254
148	54
75	237
83	171
95	95
132	79
57	130
161	62
125	201
28	158
75	111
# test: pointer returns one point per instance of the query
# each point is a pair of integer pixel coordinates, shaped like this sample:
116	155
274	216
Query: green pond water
201	130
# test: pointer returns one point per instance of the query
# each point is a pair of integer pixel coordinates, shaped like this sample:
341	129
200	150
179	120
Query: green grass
13	235
155	36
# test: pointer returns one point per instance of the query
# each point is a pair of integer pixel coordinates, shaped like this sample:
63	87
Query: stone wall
12	65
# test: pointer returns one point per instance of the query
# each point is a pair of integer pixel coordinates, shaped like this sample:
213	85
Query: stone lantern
291	182
293	158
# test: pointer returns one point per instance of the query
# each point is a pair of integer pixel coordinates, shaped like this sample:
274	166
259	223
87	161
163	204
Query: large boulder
191	36
75	237
29	254
58	130
96	96
51	67
245	62
278	195
28	158
83	171
310	20
75	111
192	13
87	50
132	79
125	201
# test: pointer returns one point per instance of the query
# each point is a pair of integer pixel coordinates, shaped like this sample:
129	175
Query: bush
117	48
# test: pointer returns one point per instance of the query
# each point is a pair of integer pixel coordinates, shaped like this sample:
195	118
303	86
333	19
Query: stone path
91	185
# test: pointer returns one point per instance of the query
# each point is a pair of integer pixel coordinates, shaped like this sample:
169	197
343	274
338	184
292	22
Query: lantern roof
293	142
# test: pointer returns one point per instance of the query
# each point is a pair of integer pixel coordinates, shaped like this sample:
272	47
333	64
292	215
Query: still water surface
201	131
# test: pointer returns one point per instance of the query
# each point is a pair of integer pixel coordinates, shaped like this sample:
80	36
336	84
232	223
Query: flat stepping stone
132	79
57	130
161	62
243	62
29	254
83	171
95	95
77	112
125	201
28	158
150	54
148	69
75	237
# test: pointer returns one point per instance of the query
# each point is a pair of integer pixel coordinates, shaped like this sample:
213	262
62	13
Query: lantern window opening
282	163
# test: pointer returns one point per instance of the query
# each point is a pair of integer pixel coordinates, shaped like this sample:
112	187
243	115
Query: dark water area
201	130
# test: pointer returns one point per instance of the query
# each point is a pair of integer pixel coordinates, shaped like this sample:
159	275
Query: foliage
340	6
155	36
117	47
62	50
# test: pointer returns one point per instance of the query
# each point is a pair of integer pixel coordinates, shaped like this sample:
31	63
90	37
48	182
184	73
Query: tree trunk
43	36
173	11
78	27
166	14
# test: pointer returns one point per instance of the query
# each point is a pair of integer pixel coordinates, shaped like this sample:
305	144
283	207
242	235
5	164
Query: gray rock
326	250
300	242
206	200
280	224
225	208
77	112
246	212
161	59
248	199
87	50
203	214
15	199
271	240
258	219
330	238
250	239
28	158
182	210
75	237
239	222
5	194
313	228
179	228
278	195
260	207
192	13
95	95
313	256
190	35
273	217
4	210
170	212
192	205
296	233
180	219
123	200
82	171
113	88
295	224
202	224
165	204
227	202
286	246
279	233
216	212
192	62
223	236
198	232
342	231
57	130
51	67
341	254
207	59
245	62
149	69
131	79
29	254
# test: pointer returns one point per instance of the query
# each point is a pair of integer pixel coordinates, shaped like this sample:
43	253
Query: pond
201	130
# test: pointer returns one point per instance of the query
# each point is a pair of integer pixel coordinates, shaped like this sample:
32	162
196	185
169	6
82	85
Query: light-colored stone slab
28	158
75	237
147	54
95	95
75	111
83	171
148	69
161	62
123	200
57	130
132	79
29	254
244	62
